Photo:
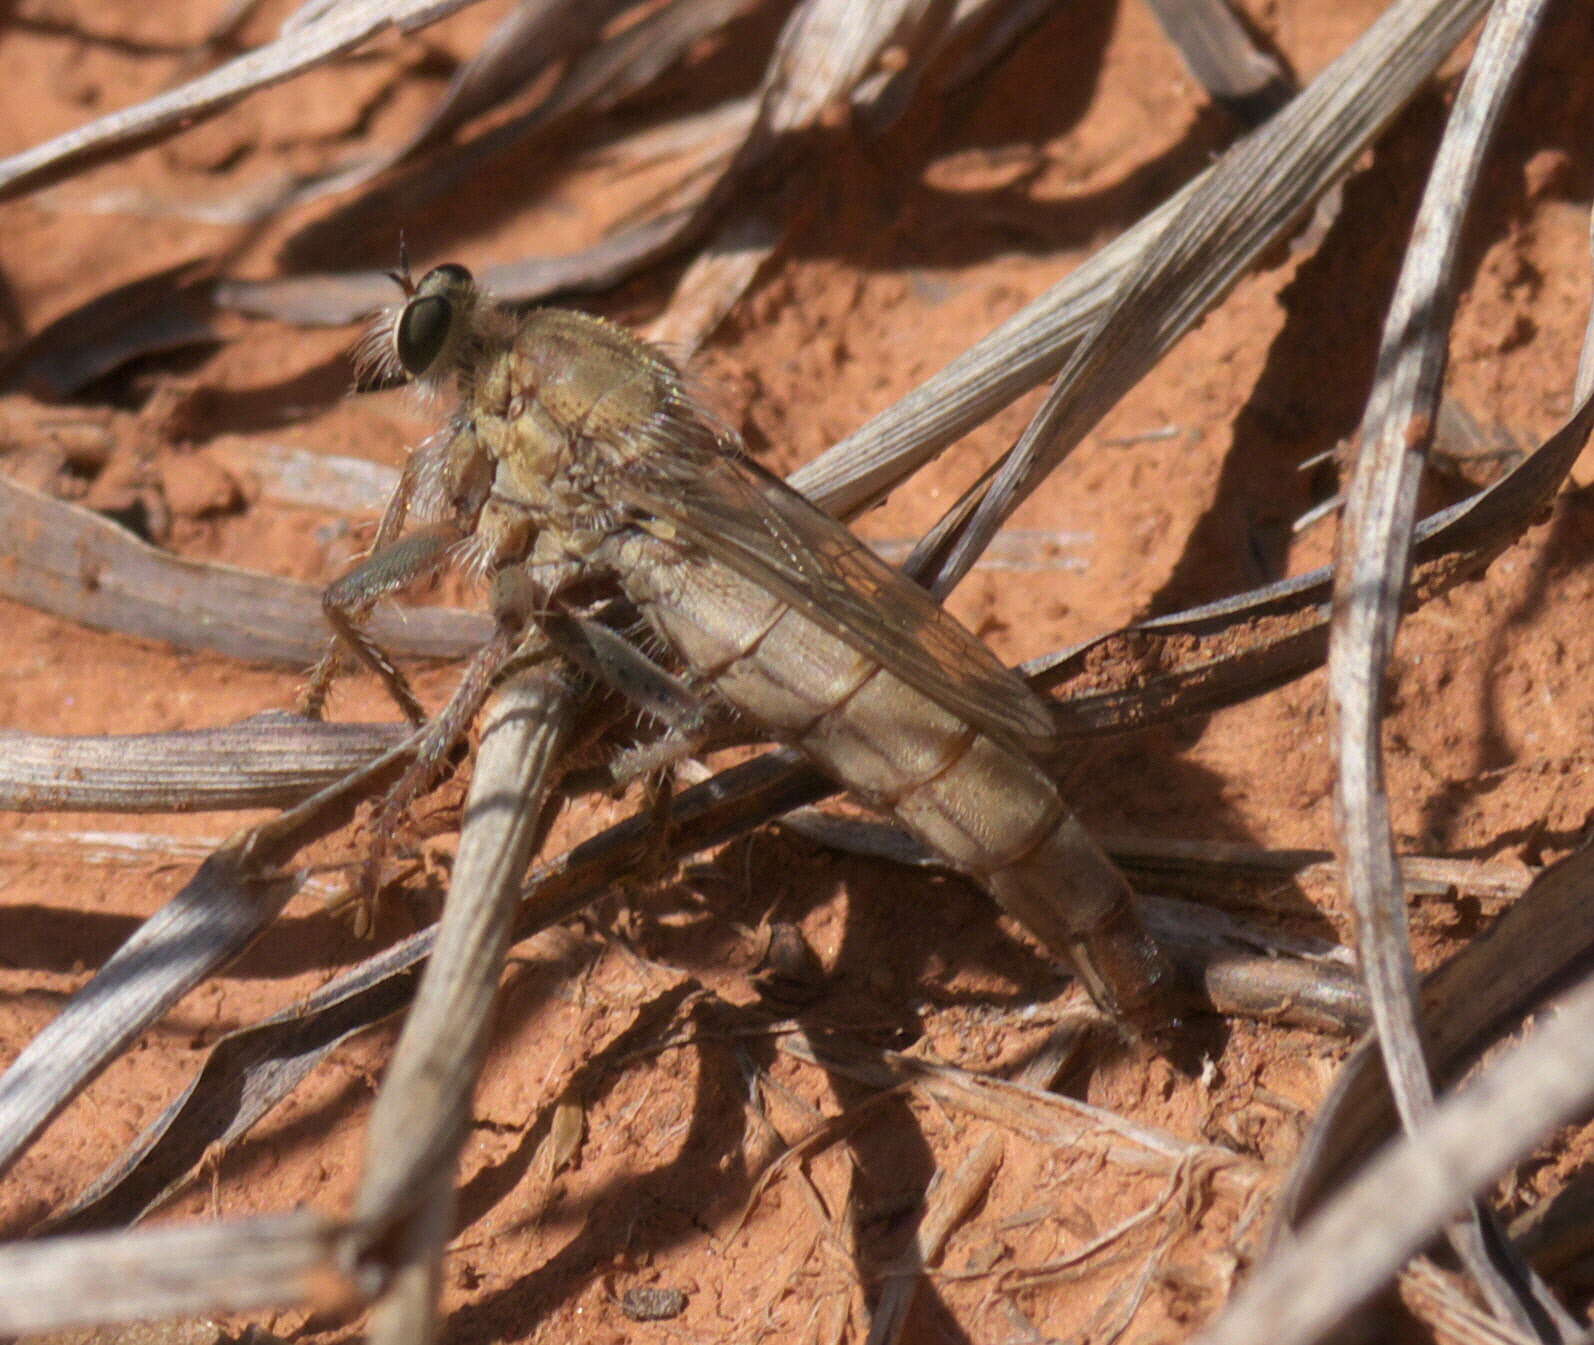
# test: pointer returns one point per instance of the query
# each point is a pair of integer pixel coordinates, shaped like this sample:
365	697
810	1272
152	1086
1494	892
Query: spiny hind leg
348	602
608	657
588	638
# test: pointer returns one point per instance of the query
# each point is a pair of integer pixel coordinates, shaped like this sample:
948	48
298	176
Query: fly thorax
532	452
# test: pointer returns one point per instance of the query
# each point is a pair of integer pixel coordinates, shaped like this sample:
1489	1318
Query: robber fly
577	462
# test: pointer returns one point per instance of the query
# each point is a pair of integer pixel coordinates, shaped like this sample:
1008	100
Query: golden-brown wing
752	521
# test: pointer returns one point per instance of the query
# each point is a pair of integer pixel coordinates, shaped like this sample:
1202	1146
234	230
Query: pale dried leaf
423	1110
64	559
1328	126
1361	1237
233	896
268	761
1482	993
1370	580
1241	206
273	1260
826	49
298	49
1223	58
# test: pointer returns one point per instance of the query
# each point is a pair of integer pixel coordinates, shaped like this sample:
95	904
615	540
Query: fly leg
325	672
516	638
591	643
447	473
433	748
348	601
607	657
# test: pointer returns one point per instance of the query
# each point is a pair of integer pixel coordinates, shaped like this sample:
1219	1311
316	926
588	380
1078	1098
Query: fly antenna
401	277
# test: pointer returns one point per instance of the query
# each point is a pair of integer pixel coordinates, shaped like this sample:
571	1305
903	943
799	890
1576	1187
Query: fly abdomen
982	804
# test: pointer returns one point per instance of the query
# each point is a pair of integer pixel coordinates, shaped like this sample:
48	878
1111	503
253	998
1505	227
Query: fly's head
432	336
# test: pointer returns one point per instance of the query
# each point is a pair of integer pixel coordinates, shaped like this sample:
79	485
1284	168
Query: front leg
447	478
348	601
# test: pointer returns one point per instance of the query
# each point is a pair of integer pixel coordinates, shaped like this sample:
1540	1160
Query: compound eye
422	332
448	276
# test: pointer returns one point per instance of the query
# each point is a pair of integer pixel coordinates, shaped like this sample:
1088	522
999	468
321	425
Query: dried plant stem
423	1109
1363	1235
1370	580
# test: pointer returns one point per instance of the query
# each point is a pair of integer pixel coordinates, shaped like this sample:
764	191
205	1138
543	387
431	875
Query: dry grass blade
632	59
232	897
244	1076
1034	1113
298	476
1544	939
1164	860
1379	526
826	50
1254	192
1222	56
164	311
1370	582
341	30
106	849
982	31
860	471
268	761
181	945
1380	73
1442	1305
406	1312
1361	1237
64	559
530	39
274	1260
331	300
1248	971
1245	972
713	284
217	913
1223	652
826	57
423	1109
823	57
949	1201
598	75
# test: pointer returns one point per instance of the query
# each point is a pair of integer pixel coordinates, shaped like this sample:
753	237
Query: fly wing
752	521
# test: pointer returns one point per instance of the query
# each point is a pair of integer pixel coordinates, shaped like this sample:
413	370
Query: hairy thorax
557	412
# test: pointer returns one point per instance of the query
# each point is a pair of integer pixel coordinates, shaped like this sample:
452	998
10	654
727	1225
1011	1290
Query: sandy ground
642	1018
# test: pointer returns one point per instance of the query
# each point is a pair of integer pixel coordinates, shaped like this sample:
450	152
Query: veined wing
752	521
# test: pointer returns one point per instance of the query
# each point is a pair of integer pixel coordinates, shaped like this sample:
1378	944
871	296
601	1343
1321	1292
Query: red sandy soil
911	250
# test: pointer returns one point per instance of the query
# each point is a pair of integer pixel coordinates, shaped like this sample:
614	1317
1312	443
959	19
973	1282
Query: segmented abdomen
982	804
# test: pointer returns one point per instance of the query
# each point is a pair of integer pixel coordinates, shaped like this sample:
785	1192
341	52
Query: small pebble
652	1305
